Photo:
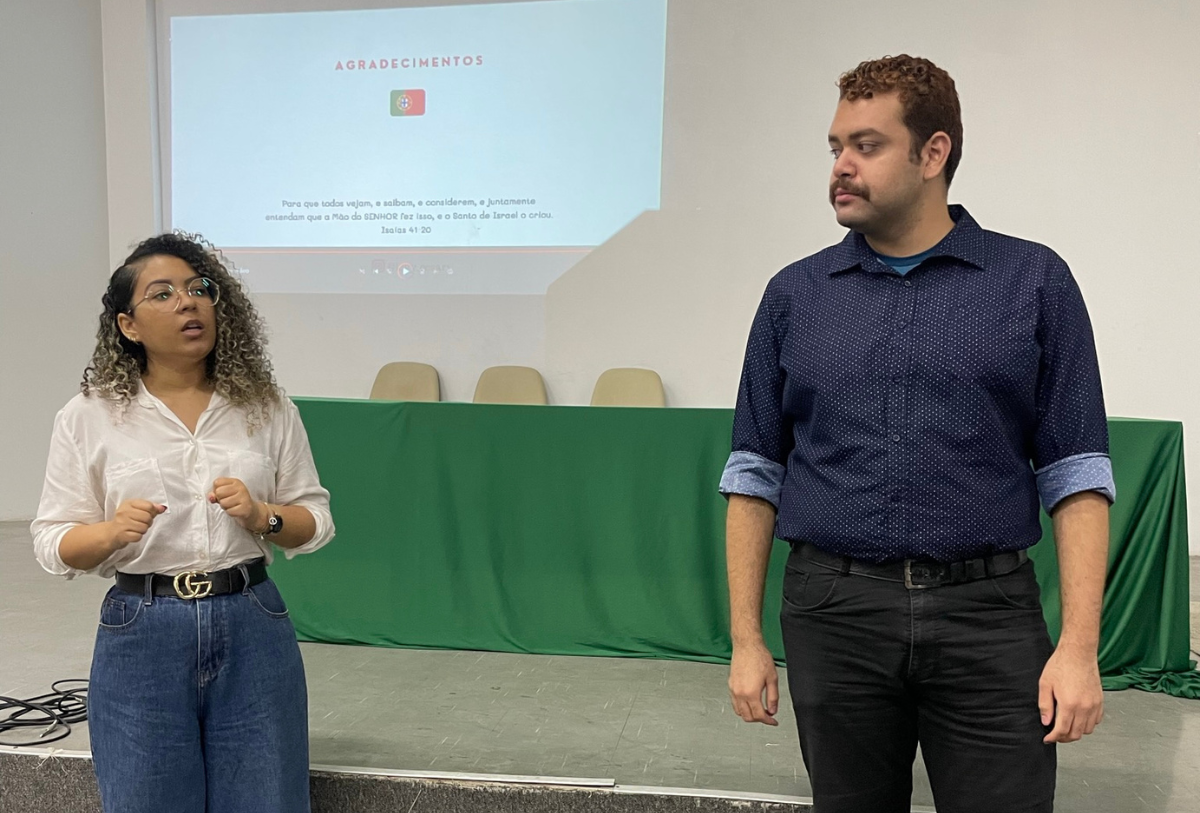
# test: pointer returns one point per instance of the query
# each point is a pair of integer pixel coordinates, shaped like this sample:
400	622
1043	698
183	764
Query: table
599	531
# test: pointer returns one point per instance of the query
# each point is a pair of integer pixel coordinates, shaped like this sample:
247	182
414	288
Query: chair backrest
406	381
510	385
629	386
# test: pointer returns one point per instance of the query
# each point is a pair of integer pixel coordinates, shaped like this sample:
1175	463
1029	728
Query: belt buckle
908	582
192	584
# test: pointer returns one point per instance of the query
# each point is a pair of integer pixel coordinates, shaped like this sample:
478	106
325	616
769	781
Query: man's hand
1069	693
748	527
751	675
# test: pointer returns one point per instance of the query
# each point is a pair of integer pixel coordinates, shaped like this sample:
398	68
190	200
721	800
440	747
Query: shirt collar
145	399
965	242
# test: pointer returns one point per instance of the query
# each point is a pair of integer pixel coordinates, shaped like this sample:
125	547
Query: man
908	395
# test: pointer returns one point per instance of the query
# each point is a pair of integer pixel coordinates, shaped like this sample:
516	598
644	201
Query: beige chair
629	386
510	385
406	381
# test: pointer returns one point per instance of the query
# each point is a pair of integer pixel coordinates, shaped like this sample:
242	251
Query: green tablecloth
591	531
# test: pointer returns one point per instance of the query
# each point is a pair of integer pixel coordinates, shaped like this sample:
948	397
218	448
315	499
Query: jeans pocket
1018	589
809	589
120	610
265	596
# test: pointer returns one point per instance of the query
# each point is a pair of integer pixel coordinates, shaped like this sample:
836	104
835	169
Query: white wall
130	116
53	226
1082	130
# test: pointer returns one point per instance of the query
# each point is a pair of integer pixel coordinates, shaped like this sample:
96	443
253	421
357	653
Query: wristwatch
274	522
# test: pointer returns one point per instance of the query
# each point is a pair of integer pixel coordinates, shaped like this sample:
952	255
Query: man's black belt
917	574
196	583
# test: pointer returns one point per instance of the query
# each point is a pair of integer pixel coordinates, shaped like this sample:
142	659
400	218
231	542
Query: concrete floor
638	722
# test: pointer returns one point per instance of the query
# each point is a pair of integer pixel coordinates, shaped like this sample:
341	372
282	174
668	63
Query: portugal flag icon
408	103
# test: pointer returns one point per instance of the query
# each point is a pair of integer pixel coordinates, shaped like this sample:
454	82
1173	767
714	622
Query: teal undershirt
902	265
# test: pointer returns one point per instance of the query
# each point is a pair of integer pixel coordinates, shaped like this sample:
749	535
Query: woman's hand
235	500
86	546
131	522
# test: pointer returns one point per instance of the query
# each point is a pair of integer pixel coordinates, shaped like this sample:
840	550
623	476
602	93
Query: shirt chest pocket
256	471
997	351
139	479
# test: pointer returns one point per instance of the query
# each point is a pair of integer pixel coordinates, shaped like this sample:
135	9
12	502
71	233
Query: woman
176	469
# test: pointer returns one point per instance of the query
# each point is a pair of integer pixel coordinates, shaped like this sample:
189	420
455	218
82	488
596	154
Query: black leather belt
917	574
196	583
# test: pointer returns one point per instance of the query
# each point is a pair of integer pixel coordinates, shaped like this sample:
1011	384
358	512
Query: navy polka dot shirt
920	416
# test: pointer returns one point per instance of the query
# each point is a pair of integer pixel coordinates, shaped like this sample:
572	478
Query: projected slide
533	125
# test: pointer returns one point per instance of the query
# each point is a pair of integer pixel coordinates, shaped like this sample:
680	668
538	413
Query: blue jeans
199	705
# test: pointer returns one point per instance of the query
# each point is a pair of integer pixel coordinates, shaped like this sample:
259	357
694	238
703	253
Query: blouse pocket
256	471
139	479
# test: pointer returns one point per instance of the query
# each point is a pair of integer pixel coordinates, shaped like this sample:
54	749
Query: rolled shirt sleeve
761	437
1070	449
1071	475
69	499
754	476
297	482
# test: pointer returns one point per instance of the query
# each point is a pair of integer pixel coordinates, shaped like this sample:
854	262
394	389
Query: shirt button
895	438
897	378
908	283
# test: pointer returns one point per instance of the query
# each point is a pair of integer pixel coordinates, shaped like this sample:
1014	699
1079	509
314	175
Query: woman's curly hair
237	367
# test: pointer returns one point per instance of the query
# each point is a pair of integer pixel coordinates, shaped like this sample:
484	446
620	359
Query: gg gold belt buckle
192	584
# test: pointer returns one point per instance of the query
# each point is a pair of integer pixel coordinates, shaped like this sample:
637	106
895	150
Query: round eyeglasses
163	297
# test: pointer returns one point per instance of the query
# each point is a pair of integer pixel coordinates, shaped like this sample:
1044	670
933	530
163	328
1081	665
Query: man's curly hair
238	366
926	92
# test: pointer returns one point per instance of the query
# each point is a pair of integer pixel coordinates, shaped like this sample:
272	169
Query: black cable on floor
48	716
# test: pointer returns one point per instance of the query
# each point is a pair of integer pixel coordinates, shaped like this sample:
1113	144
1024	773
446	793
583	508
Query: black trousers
875	668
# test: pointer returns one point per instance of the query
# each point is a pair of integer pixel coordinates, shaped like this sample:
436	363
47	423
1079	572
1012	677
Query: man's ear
935	155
